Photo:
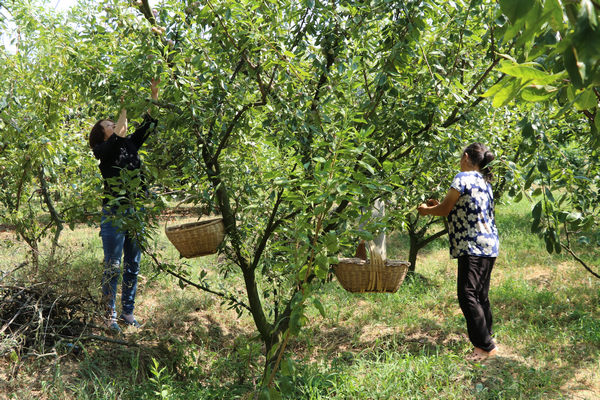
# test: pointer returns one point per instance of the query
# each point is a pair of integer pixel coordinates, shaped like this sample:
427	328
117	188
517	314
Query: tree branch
433	237
579	260
269	229
58	221
452	118
147	11
165	105
161	266
572	253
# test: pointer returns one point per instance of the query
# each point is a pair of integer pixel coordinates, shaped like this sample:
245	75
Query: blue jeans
117	243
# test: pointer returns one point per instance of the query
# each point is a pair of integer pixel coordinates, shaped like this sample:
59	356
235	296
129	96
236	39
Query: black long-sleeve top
118	153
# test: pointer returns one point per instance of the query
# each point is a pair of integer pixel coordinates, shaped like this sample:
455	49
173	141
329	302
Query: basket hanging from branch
196	239
376	275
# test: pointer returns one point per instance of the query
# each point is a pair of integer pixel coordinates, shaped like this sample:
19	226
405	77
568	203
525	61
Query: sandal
479	355
476	357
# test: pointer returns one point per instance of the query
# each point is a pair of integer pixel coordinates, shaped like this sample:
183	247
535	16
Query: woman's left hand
422	209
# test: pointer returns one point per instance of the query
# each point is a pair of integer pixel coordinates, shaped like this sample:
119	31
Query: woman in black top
118	155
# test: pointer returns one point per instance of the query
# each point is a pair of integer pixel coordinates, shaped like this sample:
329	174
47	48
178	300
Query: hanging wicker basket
196	239
375	275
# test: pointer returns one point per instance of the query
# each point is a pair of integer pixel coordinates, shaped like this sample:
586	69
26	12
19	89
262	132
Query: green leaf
557	247
297	320
506	94
586	100
533	21
491	92
332	242
543	167
576	71
529	72
588	13
549	243
537	211
264	394
555	13
319	306
515	9
535	226
286	384
538	94
287	367
273	351
367	166
549	195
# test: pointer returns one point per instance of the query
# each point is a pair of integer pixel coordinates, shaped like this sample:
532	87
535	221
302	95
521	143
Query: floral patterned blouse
471	223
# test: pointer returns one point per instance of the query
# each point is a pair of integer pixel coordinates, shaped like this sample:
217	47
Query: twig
165	105
579	260
11	321
18	267
100	339
226	296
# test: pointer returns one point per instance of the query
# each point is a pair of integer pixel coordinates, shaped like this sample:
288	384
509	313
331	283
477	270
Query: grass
406	345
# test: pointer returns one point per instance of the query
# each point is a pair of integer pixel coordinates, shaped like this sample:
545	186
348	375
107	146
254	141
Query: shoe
133	323
113	327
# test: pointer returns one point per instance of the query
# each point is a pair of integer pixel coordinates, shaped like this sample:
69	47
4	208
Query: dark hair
97	134
481	156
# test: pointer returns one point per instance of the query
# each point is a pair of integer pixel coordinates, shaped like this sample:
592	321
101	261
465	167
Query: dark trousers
473	285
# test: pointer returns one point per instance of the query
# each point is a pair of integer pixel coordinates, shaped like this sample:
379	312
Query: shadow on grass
558	336
201	359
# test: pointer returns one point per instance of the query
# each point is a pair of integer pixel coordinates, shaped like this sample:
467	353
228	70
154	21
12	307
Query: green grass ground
406	345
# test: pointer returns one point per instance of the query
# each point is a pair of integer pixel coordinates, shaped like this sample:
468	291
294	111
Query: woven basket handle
177	205
376	263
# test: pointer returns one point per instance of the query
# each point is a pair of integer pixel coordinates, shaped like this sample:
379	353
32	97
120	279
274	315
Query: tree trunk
415	246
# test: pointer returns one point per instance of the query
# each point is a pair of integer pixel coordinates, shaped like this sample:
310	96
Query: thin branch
568	248
21	182
367	85
579	260
433	237
588	114
452	118
165	105
231	40
226	296
229	130
269	229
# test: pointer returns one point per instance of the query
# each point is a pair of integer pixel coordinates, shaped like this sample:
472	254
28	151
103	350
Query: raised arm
143	131
121	125
441	209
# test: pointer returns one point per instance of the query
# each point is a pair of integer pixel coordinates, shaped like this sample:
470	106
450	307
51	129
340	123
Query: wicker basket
376	275
196	239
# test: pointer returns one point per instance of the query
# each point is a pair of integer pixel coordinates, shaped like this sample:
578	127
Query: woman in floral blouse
469	206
